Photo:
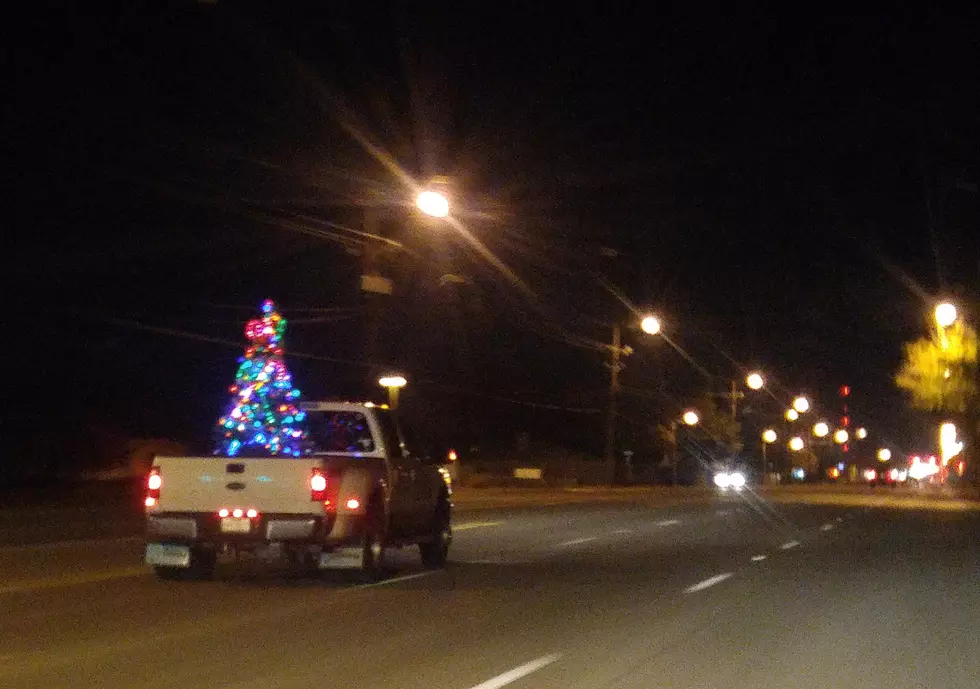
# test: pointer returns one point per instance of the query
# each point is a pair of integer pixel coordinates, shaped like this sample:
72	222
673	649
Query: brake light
223	512
251	514
154	482
318	486
237	513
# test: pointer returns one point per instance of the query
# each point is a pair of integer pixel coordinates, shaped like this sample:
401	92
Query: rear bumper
326	530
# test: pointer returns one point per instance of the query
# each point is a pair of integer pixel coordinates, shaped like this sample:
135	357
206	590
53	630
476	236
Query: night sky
787	192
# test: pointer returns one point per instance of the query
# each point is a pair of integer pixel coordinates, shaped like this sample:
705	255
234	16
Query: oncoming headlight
723	480
736	479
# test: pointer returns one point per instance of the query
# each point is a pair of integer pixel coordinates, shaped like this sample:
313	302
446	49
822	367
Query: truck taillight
154	482
318	486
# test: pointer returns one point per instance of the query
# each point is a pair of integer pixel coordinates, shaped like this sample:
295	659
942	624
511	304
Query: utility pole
376	288
734	395
610	450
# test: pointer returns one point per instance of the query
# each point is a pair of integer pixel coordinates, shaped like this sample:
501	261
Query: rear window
340	431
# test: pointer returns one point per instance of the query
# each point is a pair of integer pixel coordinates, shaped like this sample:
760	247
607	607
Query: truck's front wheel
435	551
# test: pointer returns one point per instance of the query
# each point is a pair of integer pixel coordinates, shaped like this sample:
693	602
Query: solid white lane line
789	544
396	580
74	580
758	558
578	541
84	543
668	522
474	525
826	527
708	583
623	532
518	672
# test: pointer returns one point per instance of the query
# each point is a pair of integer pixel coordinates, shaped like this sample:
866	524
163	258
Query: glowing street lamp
821	429
861	433
768	437
755	381
796	444
432	203
945	315
393	384
801	404
792	415
841	436
650	325
690	417
884	454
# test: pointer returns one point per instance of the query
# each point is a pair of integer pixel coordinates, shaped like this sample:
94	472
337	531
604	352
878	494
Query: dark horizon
787	197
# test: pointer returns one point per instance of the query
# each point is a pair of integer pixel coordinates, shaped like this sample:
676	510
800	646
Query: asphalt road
633	592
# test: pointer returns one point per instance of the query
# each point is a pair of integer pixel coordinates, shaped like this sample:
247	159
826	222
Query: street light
884	454
796	444
841	436
690	418
650	325
792	415
432	203
821	429
393	384
755	381
768	437
861	433
945	315
801	404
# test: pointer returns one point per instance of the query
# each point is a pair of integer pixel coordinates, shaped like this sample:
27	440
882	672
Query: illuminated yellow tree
940	374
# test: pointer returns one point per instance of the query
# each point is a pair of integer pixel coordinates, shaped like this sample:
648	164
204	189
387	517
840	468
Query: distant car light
223	512
353	504
252	514
736	479
722	480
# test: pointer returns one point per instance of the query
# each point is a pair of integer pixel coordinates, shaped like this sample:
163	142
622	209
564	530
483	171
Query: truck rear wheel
203	562
435	550
373	546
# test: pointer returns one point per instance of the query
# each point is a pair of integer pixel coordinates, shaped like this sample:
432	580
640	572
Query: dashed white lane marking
758	558
474	525
668	522
578	541
396	580
708	583
518	672
623	532
826	527
789	544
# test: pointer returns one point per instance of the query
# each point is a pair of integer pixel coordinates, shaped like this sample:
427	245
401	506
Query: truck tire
203	561
373	545
435	550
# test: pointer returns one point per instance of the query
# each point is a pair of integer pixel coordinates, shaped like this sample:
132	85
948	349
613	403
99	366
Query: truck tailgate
206	484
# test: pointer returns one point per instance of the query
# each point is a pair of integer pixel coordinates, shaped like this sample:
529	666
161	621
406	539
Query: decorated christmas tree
263	417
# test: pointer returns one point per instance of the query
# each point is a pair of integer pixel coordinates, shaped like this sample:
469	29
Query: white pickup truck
362	491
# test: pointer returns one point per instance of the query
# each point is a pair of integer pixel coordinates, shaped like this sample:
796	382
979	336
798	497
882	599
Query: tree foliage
940	371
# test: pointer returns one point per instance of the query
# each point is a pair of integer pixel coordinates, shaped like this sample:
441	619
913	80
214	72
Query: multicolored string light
264	416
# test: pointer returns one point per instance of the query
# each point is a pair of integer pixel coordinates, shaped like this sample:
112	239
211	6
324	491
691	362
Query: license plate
233	525
168	555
